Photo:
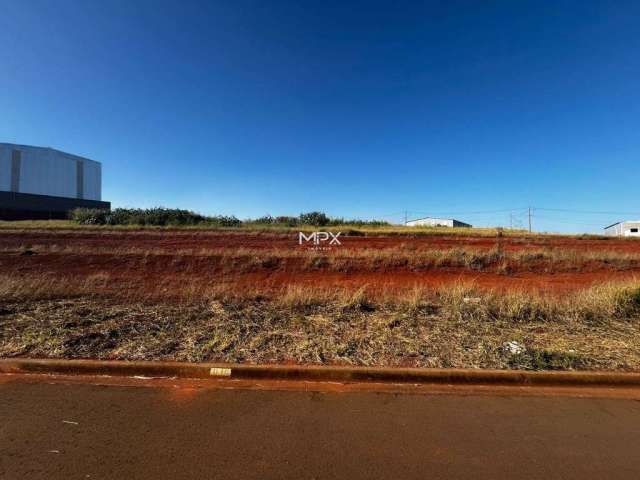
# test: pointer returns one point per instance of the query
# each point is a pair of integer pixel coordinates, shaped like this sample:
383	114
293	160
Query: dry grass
400	230
203	313
455	327
40	287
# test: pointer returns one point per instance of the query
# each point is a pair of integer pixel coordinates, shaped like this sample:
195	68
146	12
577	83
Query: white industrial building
436	222
39	182
629	228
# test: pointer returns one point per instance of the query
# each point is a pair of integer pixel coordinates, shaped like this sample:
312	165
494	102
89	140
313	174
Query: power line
554	220
472	212
517	215
523	209
589	212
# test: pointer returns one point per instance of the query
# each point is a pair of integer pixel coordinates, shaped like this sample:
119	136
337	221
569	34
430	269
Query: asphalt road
79	431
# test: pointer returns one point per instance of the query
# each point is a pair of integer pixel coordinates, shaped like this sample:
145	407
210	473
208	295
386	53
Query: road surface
83	430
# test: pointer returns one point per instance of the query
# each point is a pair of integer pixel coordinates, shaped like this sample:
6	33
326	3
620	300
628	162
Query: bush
174	216
149	216
288	221
266	220
314	218
317	219
89	216
223	221
155	216
358	223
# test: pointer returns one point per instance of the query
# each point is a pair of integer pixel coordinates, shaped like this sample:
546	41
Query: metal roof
432	218
5	144
623	221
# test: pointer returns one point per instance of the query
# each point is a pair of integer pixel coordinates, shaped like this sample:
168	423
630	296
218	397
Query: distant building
629	228
39	182
436	222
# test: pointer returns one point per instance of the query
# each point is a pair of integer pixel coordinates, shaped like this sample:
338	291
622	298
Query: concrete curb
318	373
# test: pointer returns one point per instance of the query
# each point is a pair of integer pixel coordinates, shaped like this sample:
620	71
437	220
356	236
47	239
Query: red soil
171	266
189	239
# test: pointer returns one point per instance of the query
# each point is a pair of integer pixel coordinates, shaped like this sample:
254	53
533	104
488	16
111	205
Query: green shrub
223	221
266	220
89	216
173	216
288	221
357	223
314	218
149	216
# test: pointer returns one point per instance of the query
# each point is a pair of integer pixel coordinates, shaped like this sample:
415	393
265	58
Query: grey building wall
37	182
624	229
5	169
46	171
458	223
430	222
436	222
21	206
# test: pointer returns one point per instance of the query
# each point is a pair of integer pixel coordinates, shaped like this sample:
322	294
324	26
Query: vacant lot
177	262
377	299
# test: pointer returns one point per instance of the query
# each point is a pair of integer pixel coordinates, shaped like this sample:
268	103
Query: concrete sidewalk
58	430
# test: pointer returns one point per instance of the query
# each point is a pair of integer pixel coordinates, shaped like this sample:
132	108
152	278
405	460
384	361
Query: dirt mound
181	259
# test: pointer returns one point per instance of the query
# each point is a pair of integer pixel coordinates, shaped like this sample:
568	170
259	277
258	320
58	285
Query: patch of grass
297	297
357	300
456	327
533	359
283	226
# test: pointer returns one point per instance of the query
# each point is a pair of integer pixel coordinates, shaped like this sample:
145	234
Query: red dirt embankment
172	240
174	258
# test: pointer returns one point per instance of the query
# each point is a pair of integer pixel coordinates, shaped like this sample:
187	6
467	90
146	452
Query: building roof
5	144
623	221
432	218
438	218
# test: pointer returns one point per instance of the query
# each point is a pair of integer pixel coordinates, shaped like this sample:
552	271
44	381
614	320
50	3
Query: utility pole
510	220
405	217
529	219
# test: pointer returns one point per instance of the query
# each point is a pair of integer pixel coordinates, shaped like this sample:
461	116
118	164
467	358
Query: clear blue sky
359	109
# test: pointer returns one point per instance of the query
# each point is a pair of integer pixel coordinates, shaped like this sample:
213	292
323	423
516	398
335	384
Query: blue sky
359	109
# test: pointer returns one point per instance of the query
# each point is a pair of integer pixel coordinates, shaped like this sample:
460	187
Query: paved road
79	431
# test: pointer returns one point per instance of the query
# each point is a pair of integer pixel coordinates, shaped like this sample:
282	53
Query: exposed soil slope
142	260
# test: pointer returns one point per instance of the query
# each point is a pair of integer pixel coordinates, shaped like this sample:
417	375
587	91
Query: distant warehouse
630	228
43	183
436	222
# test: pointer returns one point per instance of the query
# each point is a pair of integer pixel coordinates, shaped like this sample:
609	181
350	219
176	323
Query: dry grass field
385	296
